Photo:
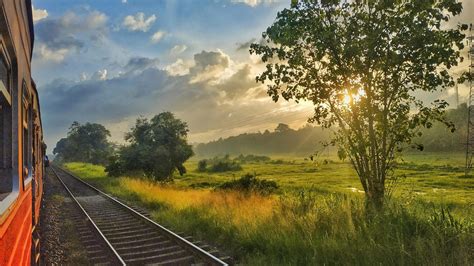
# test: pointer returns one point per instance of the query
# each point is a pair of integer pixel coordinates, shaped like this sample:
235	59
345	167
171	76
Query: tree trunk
375	197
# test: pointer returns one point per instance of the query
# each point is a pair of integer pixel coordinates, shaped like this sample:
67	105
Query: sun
350	98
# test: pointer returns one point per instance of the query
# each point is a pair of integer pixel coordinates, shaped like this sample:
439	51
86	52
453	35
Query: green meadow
318	215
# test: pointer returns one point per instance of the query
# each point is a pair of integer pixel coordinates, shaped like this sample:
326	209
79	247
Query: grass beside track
318	216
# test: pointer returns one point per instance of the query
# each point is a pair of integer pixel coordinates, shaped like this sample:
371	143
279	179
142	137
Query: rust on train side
21	138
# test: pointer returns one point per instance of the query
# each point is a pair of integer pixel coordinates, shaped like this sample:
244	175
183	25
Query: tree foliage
361	64
158	147
84	143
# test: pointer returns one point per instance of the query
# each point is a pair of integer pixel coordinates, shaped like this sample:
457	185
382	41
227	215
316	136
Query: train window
4	74
6	180
26	121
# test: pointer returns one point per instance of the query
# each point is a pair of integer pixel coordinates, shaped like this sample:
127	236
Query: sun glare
352	98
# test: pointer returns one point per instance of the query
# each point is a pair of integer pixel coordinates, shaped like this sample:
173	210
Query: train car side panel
21	140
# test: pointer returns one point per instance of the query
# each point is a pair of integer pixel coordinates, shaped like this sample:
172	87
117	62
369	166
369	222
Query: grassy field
317	216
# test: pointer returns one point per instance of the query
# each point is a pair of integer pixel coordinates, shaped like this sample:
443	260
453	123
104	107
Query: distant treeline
309	139
283	140
439	138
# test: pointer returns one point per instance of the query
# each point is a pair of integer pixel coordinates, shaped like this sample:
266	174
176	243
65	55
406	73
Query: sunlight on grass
318	216
240	209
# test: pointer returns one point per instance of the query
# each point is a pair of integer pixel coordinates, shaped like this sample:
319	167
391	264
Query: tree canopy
158	147
84	143
361	63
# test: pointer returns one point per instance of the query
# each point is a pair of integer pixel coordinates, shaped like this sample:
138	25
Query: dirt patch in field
60	244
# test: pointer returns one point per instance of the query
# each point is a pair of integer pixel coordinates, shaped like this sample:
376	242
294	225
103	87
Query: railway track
124	236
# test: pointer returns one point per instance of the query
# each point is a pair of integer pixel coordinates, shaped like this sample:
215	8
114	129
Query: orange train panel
21	137
15	233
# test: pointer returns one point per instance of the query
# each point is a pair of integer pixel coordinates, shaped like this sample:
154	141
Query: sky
111	61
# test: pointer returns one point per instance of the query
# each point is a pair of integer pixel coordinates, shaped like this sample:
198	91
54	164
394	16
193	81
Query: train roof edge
29	9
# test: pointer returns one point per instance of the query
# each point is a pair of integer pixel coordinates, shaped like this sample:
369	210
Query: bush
218	165
250	158
115	167
279	161
202	165
224	166
250	183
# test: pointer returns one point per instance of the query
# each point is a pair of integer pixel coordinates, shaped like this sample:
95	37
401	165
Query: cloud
245	45
254	3
202	91
138	22
100	75
140	63
39	14
157	36
59	37
208	66
238	84
178	49
179	68
47	54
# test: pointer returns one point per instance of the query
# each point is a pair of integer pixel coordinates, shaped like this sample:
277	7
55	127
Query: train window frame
27	126
10	187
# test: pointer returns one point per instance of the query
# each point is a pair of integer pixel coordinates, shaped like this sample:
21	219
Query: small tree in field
361	64
84	143
158	147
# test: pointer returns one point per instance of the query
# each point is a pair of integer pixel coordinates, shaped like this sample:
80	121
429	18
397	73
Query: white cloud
138	22
100	75
254	3
58	37
124	1
178	49
179	68
47	54
157	36
96	20
210	67
83	76
39	14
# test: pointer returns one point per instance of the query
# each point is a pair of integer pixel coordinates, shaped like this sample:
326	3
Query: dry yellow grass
232	207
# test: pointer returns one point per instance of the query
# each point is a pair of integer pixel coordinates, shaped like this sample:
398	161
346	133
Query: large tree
84	143
362	63
158	147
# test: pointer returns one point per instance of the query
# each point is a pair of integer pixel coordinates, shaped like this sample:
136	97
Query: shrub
218	165
250	158
115	167
250	183
279	161
202	165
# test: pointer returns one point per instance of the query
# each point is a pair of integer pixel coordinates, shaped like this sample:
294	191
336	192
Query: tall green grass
306	226
335	230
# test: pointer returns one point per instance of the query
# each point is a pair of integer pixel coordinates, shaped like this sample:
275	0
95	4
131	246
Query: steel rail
186	244
98	231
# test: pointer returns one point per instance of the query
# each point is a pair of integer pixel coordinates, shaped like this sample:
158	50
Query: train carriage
21	138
